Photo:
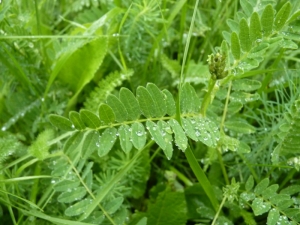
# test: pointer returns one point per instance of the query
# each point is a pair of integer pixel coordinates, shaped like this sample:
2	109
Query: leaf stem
209	96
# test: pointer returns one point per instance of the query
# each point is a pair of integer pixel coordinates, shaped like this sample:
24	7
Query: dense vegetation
149	112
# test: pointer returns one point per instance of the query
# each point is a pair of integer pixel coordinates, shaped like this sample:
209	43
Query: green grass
149	112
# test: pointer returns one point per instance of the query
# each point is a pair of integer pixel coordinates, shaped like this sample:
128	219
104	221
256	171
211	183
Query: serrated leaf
261	186
260	207
249	183
146	102
78	208
282	16
244	36
270	191
247	7
90	119
167	137
76	120
267	19
180	137
125	136
112	206
156	134
106	114
189	101
235	46
243	97
130	103
61	122
75	194
138	135
40	147
90	144
255	28
170	103
118	108
107	141
159	99
66	185
239	126
273	217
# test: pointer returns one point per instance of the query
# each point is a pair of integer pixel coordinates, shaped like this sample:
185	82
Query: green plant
162	148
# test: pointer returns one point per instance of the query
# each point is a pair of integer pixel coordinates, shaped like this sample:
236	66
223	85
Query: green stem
219	210
208	97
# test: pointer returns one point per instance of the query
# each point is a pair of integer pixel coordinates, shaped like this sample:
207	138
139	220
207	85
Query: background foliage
149	112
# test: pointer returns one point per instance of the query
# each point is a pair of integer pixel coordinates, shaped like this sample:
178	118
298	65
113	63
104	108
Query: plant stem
208	97
219	210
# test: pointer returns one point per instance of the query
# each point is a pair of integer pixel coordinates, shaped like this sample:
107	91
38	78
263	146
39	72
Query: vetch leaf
270	191
249	183
235	46
66	185
167	137
130	103
189	101
90	119
112	206
261	186
244	36
125	136
243	97
146	102
239	126
76	120
170	103
106	114
282	16
61	122
138	135
117	107
245	85
188	125
78	208
234	107
247	7
159	99
273	217
90	144
255	28
267	19
156	133
107	141
260	207
288	44
233	25
258	51
229	143
74	195
180	137
243	148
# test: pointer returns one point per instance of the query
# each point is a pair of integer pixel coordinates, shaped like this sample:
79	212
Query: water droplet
3	128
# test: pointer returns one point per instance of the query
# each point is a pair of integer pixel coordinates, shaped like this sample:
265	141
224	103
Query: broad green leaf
78	208
130	103
66	185
188	125
270	191
125	136
260	207
170	103
233	25
261	186
138	135
75	194
146	102
180	137
258	51
245	85
90	144
243	97
159	99
249	183
282	16
267	19
106	114
169	208
247	7
273	217
90	119
255	28
244	36
235	46
156	133
189	101
107	141
113	205
167	137
76	120
118	108
61	122
239	126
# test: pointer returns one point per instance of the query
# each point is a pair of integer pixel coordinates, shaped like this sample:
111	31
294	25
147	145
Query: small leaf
76	120
239	126
167	137
273	217
106	114
159	99
258	51
146	102
243	97
107	141
156	133
294	16
138	136
90	144
243	148
188	125
261	186
124	136
78	208
291	190
288	44
235	46
244	36
267	18
40	147
229	143
270	191
247	7
170	103
142	221
90	119
66	185
74	195
282	16
130	103
255	28
61	122
249	183
233	25
180	137
260	207
245	85
112	206
74	143
117	107
234	107
189	101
